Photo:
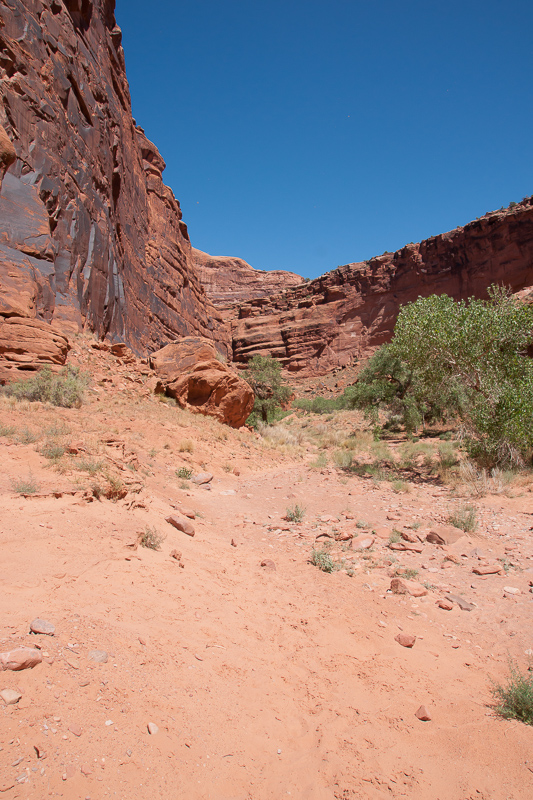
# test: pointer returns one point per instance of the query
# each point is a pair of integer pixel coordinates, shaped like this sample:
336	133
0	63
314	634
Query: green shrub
64	388
322	560
295	513
27	485
263	373
151	538
184	472
343	459
464	518
515	699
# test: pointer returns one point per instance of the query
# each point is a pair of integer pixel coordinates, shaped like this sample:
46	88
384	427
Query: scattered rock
463	604
10	697
405	639
233	543
75	729
407	547
383	533
409	536
362	542
447	605
181	524
487	569
403	586
511	590
268	565
394	517
100	656
20	658
152	728
423	714
201	478
42	626
176	555
444	534
188	512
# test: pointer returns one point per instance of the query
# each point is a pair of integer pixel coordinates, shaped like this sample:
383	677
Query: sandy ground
263	682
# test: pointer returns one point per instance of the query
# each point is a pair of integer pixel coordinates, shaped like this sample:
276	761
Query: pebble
403	586
20	658
152	728
362	542
100	656
181	524
463	604
423	714
405	639
75	729
447	605
42	626
511	590
108	722
10	697
268	564
202	478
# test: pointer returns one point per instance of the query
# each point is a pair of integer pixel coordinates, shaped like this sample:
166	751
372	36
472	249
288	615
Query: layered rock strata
342	316
229	280
90	235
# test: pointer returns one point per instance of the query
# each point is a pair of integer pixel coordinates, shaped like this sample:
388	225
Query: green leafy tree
263	373
467	359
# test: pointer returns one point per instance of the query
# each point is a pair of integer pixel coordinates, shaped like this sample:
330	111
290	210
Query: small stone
181	524
75	729
188	512
423	714
86	770
487	569
152	728
268	565
100	656
43	627
10	697
233	543
447	605
403	586
383	533
20	658
362	542
405	639
108	722
176	555
202	478
463	604
444	534
511	590
393	517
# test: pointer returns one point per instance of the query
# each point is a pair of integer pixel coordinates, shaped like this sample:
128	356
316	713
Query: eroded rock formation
190	372
90	235
229	280
341	316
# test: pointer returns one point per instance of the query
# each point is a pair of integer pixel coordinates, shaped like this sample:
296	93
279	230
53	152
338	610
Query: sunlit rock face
90	236
342	316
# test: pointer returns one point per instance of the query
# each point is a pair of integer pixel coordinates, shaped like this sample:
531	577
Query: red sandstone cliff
231	280
90	235
341	316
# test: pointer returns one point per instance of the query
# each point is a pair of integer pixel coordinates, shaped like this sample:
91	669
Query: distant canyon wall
342	316
90	236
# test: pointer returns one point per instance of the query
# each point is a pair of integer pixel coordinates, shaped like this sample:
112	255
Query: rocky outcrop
190	371
228	280
27	345
90	235
342	316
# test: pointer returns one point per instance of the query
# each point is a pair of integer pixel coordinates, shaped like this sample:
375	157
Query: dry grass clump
480	482
281	436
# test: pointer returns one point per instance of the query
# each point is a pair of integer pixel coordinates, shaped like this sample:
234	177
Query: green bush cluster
64	388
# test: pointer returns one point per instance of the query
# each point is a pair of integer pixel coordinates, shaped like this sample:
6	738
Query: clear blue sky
302	135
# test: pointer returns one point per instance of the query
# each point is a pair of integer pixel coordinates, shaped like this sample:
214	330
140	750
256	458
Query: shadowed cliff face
334	320
90	235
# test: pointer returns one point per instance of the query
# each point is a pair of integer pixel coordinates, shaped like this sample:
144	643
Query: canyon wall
229	280
342	316
90	235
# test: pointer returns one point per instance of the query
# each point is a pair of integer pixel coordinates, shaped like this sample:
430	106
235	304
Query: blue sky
302	135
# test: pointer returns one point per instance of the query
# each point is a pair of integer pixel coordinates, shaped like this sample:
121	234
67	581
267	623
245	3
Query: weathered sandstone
91	237
231	280
189	371
342	316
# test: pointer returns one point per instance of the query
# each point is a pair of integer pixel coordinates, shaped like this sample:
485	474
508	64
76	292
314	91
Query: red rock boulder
27	345
190	371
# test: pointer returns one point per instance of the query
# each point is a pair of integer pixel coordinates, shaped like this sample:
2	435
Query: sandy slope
263	683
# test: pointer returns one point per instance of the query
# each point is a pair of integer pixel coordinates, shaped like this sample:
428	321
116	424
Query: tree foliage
462	359
263	373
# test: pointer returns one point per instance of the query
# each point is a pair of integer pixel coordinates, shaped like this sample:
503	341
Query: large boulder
27	345
189	371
